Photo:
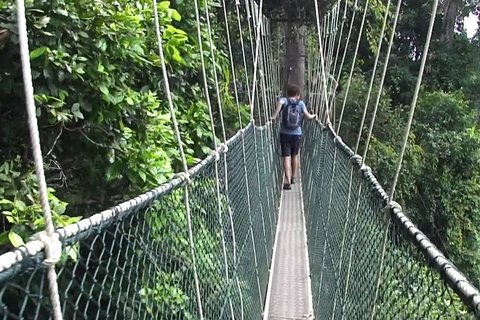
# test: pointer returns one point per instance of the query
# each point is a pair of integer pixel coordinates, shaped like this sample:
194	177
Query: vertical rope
182	155
322	63
382	80
359	135
372	79
234	78
237	5
232	63
257	23
344	17
353	65
414	100
219	101
255	63
404	146
53	247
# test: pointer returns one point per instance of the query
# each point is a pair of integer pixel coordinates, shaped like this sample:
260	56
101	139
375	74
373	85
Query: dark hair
293	90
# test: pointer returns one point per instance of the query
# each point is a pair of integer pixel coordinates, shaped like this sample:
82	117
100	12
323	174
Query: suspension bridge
222	240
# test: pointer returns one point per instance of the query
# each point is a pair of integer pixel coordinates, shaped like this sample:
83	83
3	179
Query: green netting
135	261
137	264
347	224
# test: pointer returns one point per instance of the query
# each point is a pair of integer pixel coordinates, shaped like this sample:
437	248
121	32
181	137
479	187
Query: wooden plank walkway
289	296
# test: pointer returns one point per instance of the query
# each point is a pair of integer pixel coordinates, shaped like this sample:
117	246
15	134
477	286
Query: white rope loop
53	249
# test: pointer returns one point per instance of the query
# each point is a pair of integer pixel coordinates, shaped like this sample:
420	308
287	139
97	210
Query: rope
257	52
344	17
374	72
404	145
353	65
212	52
414	100
237	5
368	139
255	62
217	182
52	244
385	67
182	155
232	64
322	63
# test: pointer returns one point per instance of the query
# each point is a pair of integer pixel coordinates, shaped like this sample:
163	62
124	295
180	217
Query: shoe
294	180
287	186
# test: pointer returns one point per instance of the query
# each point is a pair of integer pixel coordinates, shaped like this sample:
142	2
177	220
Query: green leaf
62	12
72	252
142	175
73	220
20	205
129	101
37	53
76	111
175	15
15	239
164	5
104	89
5	201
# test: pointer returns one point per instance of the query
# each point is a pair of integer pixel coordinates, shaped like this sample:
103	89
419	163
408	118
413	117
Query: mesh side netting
346	227
138	263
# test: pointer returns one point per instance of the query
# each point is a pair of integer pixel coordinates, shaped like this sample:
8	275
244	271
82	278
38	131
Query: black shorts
290	144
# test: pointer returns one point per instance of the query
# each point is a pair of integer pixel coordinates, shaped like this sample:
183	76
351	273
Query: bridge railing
367	259
139	260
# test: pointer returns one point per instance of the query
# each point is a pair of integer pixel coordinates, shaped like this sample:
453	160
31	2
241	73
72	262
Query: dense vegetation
104	121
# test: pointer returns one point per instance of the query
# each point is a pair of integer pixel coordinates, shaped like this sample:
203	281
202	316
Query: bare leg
286	168
295	160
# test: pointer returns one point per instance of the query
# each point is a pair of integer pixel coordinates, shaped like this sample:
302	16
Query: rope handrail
469	294
34	247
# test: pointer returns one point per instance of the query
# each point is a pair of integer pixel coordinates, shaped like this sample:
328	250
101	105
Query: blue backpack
291	115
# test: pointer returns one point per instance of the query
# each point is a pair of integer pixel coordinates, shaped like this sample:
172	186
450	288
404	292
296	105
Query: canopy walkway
221	240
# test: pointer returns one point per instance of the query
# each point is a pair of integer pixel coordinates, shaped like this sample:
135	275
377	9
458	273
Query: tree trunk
450	10
294	59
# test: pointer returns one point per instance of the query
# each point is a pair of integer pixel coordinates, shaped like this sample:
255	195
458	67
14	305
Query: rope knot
223	148
216	154
393	205
186	176
356	159
53	247
365	168
337	139
390	207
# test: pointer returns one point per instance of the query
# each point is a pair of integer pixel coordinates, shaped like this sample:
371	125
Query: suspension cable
183	158
53	247
382	80
322	63
353	65
372	79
